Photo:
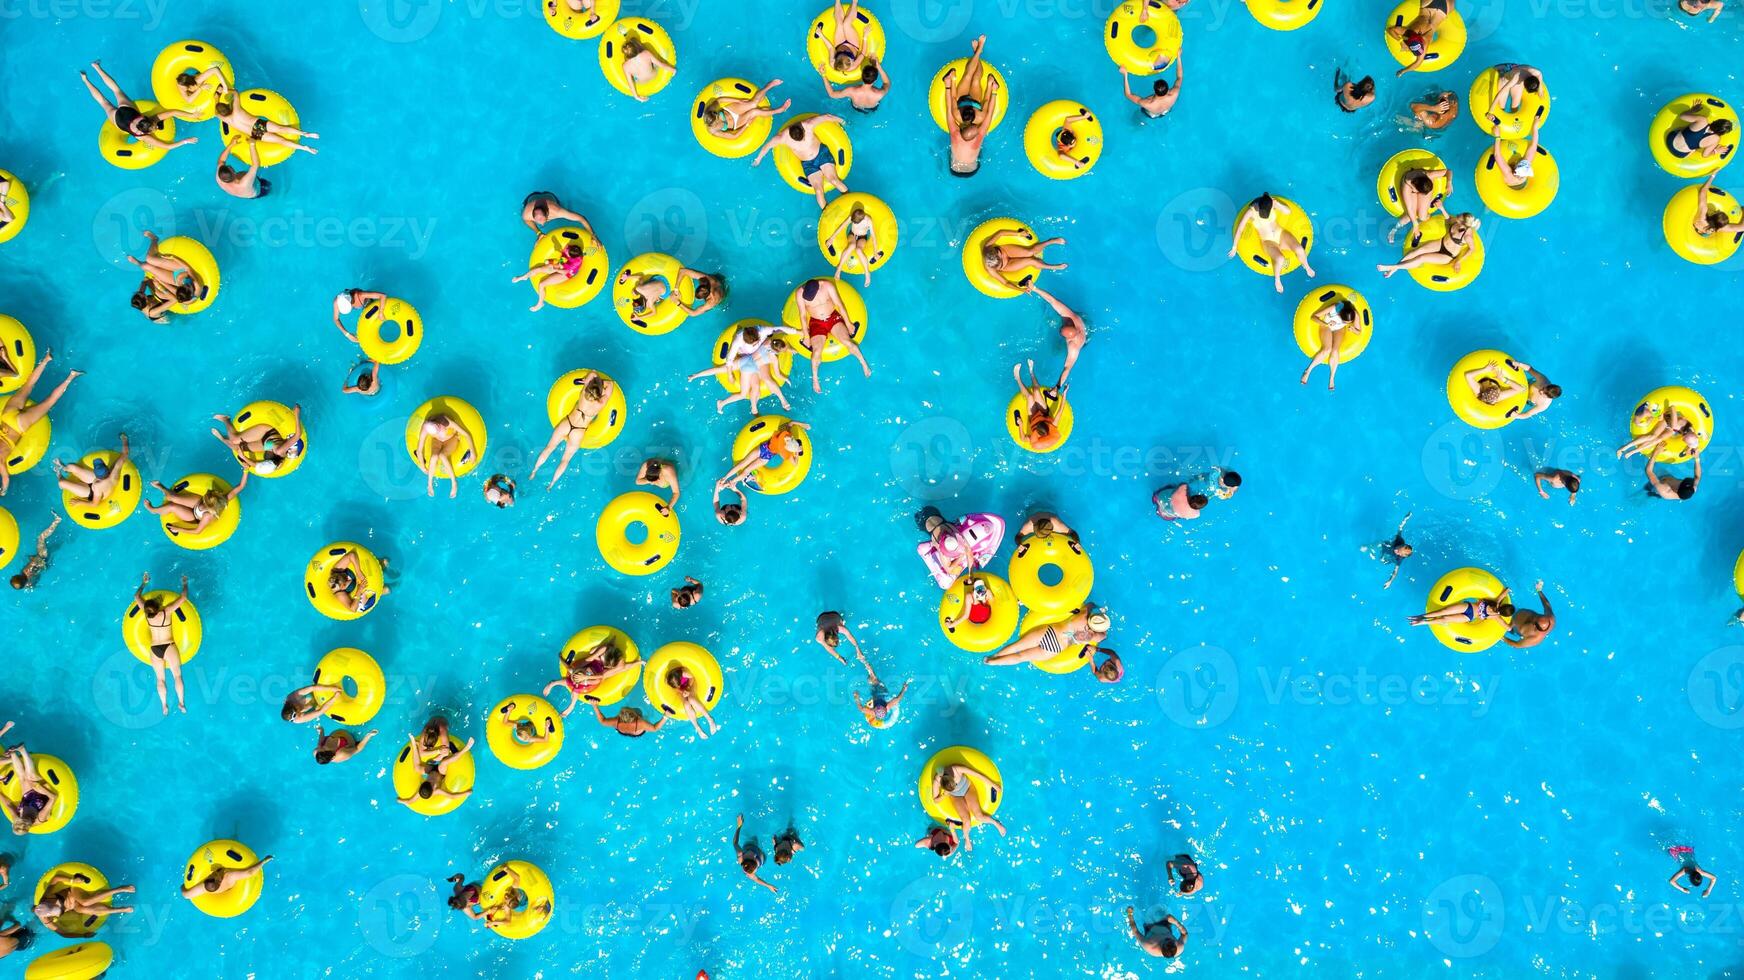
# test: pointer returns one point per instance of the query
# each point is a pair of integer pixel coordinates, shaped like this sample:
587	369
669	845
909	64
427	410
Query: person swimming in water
27	577
540	208
1451	249
1191	881
1540	392
1437	111
1695	8
1178	502
1265	215
731	514
124	115
1672	487
1086	626
628	722
749	855
1690	871
339	745
466	894
247	184
688	594
1419	32
1472	611
1168	944
1352	95
1163	95
970	100
786	845
96	483
15	938
500	490
817	163
1561	479
939	840
661	474
1529	625
1073	329
1396	551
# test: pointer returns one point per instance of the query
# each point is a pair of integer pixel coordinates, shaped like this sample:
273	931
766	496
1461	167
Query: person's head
1686	488
1695	876
629	714
143	295
748	861
990	257
943	842
1489	391
526	730
323	756
1715	220
790	442
19	581
1230	478
638	304
55	904
433	731
1170	946
1110	670
1506	610
595	387
1421	183
1346	312
796	132
213	881
572	252
1571	483
651	470
24	938
426	789
366	381
730	514
1043	525
142	125
708	285
844	60
869	72
542	207
1262	205
1197	501
632	48
1042	431
228	174
809	291
461	899
749	333
151	606
948	779
1067	139
186	290
682	598
858	214
1720	127
966	116
341	579
783	853
289	711
1160	87
1364	87
1531	83
1553	391
1402	550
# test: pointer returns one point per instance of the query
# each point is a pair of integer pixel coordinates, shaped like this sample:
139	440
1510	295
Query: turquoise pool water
1364	800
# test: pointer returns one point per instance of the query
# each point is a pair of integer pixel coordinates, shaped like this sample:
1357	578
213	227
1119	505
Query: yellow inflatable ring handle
530	915
1517	202
783	358
820	44
123	150
1693	166
835	142
581	27
833	348
352	670
221	855
501	731
991	232
85	878
741	144
776	477
17	197
1252	251
1284	15
1689	404
565	394
1465	585
264	103
979	637
122	501
1017	423
1392	176
616	687
374	324
832	231
938	99
50	769
185	627
1353	340
474	437
987	793
1039	140
651	36
1127	52
1442	277
1514	124
660	533
205	266
189	58
284	422
409	775
1472	410
582	287
1446	48
221	528
1066	556
1678	224
85	961
20	347
317	577
707	683
8	537
670	312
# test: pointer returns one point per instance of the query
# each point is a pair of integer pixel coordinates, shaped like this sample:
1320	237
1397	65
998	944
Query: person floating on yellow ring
1331	322
1086	626
825	314
781	448
64	896
850	54
166	654
1452	249
169	282
433	760
971	101
440	439
583	674
137	123
1265	216
728	117
640	64
648	290
267	447
91	485
347	584
1474	610
368	383
190	513
1711	222
1417	34
755	356
561	268
1419	198
540	208
222	880
956	783
19	417
1041	409
1006	256
227	104
1513	84
38	798
1162	98
571	430
816	162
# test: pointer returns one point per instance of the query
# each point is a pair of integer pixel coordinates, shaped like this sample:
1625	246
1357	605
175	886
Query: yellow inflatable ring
834	219
390	332
217	532
1438	54
1465	585
1515	124
707	683
1039	146
741	144
205	266
409	775
581	27
85	961
316	578
75	925
185	627
8	537
1127	52
945	113
501	731
29	450
833	348
123	150
582	287
975	269
349	664
565	394
616	687
660	533
52	770
189	58
220	855
473	433
775	478
1693	166
1392	176
1473	411
1073	657
820	45
1689	404
1353	340
783	358
531	915
1057	551
17	199
1284	15
1015	422
1738	575
979	637
1295	221
122	502
1442	277
670	312
652	37
1517	202
835	142
284	422
1678	224
21	348
265	104
986	793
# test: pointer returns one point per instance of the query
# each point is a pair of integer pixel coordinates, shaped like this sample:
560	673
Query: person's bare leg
846	339
173	660
120	96
36	413
558	436
15	402
569	448
163	692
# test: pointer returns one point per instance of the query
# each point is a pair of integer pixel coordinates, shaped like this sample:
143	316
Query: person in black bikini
749	855
85	484
165	654
628	722
1352	95
466	894
125	116
1698	136
1191	881
36	798
1450	249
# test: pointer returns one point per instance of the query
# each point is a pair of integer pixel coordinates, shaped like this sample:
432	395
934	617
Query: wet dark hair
1506	609
1720	126
143	295
651	470
965	114
24	938
1346	312
705	286
1160	86
1231	479
869	72
426	789
1197	501
1695	875
572	251
1553	391
1421	183
365	381
796	132
186	290
1531	84
944	847
1068	138
289	711
228	174
1571	483
1263	205
1170	946
1686	488
1364	86
747	864
151	606
323	757
1716	221
732	514
685	599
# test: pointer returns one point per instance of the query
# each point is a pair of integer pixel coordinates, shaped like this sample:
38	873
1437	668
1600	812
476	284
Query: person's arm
139	593
1241	224
1396	566
1410	67
770	144
1676	881
1126	85
1171	920
1132	924
1169	866
176	603
760	881
1697	476
1713	880
736	828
